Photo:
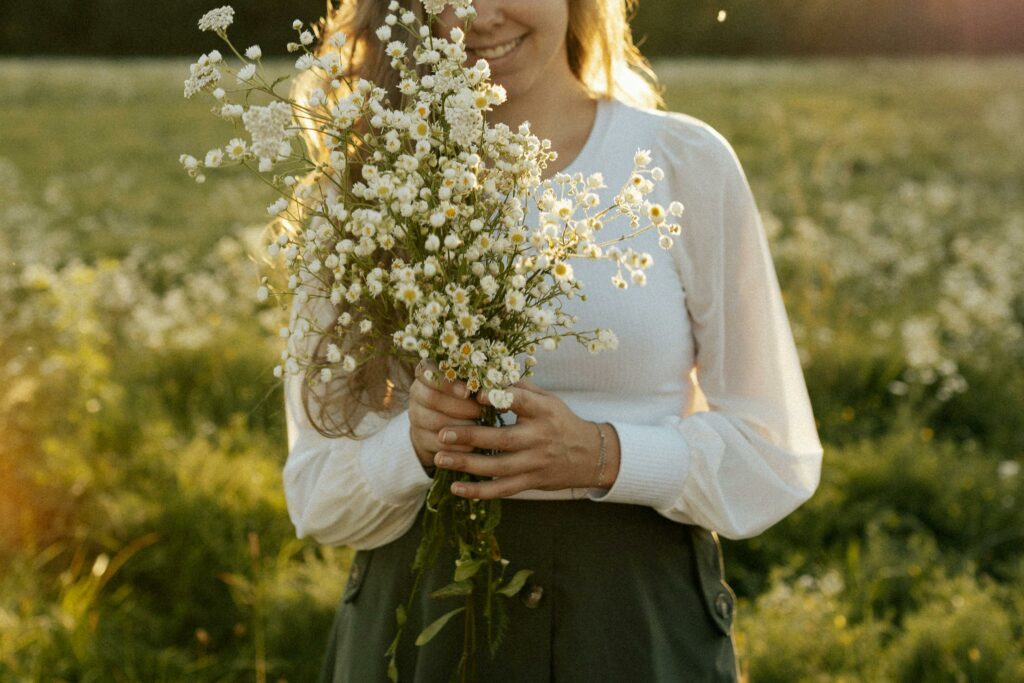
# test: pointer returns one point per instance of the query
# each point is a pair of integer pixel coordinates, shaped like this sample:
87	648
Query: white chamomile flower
253	52
296	24
384	33
246	73
665	242
562	271
277	207
408	293
396	49
642	157
218	93
449	339
262	293
676	209
514	300
639	277
333	353
306	38
500	399
236	148
326	374
656	212
232	111
348	364
214	158
608	339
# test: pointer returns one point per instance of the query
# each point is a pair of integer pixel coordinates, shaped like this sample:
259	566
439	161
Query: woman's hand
433	406
548	448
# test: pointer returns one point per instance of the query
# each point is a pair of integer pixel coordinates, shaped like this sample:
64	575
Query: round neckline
595	135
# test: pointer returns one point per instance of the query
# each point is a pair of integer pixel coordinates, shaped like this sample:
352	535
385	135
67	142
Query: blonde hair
602	56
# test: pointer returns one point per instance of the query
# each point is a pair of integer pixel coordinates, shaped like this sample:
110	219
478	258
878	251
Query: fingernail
442	460
458	489
448	437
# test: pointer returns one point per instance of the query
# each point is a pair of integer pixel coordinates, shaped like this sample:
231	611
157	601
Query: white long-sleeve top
736	459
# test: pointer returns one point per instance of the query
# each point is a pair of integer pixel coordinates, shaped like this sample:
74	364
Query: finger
421	417
512	438
503	465
426	440
497	488
530	386
458	408
439	382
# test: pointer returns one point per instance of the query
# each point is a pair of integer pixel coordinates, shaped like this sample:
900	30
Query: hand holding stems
434	405
548	448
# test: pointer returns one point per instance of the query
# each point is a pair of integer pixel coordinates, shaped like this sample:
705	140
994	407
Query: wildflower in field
217	19
202	75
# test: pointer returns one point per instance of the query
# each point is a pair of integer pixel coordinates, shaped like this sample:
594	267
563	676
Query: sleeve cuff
390	465
654	461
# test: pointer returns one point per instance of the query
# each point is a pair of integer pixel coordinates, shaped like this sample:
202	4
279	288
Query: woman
616	474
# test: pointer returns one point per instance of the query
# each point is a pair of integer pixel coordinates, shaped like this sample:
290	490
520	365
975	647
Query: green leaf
392	671
496	635
400	615
432	630
493	514
515	583
453	589
468	569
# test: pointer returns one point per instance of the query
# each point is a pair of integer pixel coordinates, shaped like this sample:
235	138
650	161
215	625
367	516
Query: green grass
143	531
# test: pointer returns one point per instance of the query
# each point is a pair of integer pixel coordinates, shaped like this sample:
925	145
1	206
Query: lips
499	50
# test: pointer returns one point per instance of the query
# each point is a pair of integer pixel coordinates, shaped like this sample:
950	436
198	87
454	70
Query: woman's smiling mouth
497	51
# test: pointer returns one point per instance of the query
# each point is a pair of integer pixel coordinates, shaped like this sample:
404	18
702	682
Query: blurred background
143	532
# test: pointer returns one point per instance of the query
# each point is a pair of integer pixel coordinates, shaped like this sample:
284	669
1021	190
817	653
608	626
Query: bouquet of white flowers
411	221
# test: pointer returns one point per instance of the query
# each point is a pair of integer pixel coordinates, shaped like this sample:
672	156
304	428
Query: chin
513	83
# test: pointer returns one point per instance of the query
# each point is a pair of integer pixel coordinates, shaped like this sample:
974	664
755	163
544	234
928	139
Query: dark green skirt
619	593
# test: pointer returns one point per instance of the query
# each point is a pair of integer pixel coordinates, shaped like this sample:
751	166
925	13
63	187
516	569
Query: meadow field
143	530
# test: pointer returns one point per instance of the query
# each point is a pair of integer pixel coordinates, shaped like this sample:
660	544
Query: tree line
663	27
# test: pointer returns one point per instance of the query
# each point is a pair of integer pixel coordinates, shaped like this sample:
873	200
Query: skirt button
723	605
532	595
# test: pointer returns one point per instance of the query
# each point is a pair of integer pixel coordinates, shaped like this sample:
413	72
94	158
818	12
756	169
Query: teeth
498	50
